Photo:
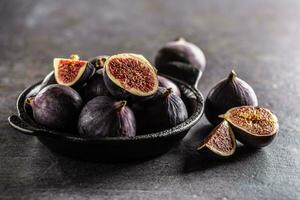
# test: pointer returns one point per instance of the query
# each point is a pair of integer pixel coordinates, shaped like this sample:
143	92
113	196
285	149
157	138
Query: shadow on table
193	161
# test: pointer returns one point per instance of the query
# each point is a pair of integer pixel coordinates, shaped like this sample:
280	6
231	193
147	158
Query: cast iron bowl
115	148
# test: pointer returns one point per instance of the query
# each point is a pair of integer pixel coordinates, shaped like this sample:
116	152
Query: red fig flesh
130	75
72	71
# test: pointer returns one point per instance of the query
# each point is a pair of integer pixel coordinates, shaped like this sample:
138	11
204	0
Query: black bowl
114	148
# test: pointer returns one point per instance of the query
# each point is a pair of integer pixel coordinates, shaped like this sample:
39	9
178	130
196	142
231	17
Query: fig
56	107
220	142
167	83
48	80
163	111
104	117
98	62
228	93
72	72
130	76
94	87
181	51
253	126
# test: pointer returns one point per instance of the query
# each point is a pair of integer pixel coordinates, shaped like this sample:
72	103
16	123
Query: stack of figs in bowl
117	107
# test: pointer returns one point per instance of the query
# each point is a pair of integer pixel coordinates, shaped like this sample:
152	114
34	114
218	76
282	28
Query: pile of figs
232	106
122	95
107	96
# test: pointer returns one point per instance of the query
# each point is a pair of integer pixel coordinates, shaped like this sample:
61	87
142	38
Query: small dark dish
114	148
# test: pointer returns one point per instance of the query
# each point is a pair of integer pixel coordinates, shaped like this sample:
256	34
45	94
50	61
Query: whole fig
94	87
164	111
56	107
228	93
102	116
180	51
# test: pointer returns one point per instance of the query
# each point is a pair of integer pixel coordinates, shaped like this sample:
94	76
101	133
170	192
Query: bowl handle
19	124
182	71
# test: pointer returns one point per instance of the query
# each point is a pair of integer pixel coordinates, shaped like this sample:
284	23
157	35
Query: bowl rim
187	124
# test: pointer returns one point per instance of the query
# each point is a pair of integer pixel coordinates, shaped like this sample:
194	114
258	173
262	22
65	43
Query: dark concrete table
259	39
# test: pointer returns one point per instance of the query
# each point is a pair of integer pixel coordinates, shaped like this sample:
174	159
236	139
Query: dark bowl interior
141	146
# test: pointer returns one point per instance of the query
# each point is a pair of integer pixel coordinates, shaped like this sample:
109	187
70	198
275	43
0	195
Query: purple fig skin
48	80
164	111
87	74
94	87
182	51
167	83
56	107
253	141
104	117
228	93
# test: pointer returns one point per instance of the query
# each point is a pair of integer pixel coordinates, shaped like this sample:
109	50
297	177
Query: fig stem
221	116
180	39
168	92
121	104
232	75
29	100
74	57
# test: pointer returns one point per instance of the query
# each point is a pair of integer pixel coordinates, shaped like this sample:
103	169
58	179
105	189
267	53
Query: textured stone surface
259	39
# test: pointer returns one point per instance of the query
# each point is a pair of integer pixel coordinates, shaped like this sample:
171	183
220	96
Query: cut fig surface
71	71
220	141
131	73
254	126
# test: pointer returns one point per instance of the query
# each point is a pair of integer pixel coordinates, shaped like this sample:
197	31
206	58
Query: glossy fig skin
167	83
126	92
251	140
48	80
56	107
165	110
248	138
94	87
104	117
181	51
210	150
228	93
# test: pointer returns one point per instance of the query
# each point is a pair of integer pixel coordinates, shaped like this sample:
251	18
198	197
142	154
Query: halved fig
220	142
253	126
71	72
130	75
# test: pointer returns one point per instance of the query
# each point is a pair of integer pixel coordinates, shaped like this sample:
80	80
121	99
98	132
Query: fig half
130	76
253	126
72	72
220	142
